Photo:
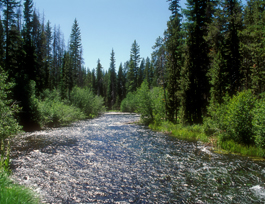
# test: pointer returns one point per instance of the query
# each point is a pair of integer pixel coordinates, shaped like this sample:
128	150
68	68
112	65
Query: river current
111	160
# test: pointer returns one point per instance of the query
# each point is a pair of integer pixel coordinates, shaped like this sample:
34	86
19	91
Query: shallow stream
111	160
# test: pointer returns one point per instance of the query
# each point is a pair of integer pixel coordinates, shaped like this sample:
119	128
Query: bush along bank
55	111
237	125
10	192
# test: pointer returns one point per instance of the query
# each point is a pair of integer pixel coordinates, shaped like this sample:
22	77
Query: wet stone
112	160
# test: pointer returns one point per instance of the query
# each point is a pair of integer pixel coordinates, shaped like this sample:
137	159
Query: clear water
110	160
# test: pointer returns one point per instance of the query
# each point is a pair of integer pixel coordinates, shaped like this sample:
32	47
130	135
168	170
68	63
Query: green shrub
84	99
8	124
55	112
149	103
145	104
233	118
159	107
129	104
258	122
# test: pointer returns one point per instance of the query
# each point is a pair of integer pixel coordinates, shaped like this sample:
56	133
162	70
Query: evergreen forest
208	69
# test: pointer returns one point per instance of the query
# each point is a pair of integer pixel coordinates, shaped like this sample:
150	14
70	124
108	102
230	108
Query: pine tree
112	89
131	83
105	83
174	44
31	36
2	51
121	80
233	11
28	19
197	93
9	26
252	46
175	9
99	81
40	49
217	72
140	78
134	66
54	63
147	70
75	48
65	78
57	60
48	55
93	82
159	61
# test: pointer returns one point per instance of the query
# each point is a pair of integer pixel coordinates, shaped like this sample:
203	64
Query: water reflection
109	160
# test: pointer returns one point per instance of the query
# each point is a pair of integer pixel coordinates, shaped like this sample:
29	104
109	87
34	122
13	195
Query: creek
112	160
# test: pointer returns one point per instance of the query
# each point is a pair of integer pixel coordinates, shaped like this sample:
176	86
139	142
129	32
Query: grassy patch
233	147
11	193
197	132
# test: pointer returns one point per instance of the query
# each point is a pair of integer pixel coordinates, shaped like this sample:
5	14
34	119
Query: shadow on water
111	160
39	142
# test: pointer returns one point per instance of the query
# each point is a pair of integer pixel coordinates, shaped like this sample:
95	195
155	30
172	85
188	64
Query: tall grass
233	147
11	193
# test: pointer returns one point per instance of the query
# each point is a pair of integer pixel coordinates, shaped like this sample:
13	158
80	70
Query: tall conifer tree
140	77
121	84
29	47
134	66
75	48
99	82
233	11
48	55
159	61
93	82
65	78
9	24
112	89
2	51
252	45
217	72
174	49
197	92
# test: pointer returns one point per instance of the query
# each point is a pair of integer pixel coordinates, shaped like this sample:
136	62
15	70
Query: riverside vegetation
237	125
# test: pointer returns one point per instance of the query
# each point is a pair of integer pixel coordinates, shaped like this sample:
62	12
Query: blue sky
109	24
